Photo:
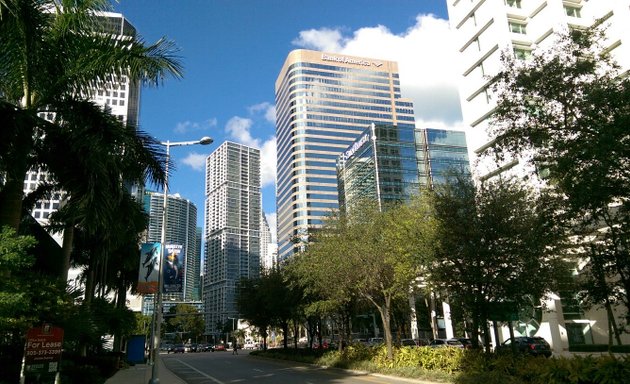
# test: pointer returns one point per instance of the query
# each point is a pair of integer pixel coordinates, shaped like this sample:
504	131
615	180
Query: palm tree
51	53
93	153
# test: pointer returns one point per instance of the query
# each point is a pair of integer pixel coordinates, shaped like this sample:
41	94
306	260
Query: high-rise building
324	102
440	152
181	229
265	244
119	94
389	164
484	29
196	293
232	228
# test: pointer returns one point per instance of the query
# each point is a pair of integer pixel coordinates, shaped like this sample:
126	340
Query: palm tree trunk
11	203
12	192
121	301
66	249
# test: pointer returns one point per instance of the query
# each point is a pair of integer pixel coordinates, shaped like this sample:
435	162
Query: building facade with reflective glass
181	228
324	102
389	163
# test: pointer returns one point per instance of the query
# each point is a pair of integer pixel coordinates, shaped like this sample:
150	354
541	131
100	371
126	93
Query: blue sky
232	51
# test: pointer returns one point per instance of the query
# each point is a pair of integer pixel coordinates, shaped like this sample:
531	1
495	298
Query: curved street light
157	307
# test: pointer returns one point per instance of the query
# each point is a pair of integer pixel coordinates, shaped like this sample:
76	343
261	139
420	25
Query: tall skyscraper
181	228
232	228
324	102
483	29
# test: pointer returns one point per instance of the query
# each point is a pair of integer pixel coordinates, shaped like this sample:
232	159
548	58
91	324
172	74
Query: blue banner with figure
173	268
149	270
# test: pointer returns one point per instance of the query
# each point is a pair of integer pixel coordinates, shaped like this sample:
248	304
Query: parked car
466	342
408	343
179	348
376	341
205	347
535	346
443	343
219	347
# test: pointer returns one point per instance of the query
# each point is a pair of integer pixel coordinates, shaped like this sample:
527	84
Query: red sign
43	349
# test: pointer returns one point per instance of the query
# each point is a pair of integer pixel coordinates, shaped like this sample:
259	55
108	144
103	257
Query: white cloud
426	62
239	130
268	162
272	220
196	161
267	109
192	126
324	39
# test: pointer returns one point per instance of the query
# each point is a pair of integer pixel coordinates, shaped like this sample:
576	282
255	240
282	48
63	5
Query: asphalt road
223	368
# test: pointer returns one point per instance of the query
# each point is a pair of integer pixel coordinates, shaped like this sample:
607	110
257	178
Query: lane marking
202	373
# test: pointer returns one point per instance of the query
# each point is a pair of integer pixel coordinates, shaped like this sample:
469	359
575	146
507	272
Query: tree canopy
499	243
567	112
373	255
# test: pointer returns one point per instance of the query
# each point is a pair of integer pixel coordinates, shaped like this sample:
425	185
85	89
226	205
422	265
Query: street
223	367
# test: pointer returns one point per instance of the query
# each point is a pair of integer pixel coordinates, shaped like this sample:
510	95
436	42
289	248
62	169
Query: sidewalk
141	374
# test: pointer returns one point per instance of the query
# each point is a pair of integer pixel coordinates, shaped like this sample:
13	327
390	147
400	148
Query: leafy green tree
252	303
269	301
499	243
27	298
567	110
187	320
142	325
371	255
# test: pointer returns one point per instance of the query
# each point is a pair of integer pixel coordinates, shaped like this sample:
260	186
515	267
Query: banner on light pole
149	271
173	268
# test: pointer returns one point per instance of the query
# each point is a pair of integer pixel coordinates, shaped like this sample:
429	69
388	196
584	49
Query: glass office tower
389	164
324	103
381	165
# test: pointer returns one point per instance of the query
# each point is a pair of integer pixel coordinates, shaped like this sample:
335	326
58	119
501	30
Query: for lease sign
43	349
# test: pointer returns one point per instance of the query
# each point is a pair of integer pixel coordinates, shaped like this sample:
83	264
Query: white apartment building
232	225
483	30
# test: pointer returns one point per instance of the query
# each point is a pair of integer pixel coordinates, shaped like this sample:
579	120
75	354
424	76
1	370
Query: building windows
522	53
517	27
513	3
572	11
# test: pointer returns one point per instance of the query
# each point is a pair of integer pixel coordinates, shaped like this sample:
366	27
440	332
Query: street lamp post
157	307
233	329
